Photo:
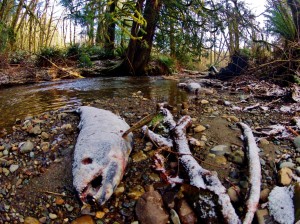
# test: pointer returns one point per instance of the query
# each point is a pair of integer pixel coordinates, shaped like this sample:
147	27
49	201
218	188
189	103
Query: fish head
97	174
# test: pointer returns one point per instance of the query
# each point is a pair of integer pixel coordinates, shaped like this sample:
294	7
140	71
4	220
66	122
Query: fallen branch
158	140
200	177
254	172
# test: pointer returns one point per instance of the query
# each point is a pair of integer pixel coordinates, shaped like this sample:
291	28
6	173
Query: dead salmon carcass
101	154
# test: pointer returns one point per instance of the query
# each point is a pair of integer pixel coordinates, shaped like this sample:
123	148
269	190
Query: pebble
86	219
44	135
263	142
149	146
297	141
136	192
221	160
45	146
43	219
149	209
298	160
31	220
219	150
139	156
264	194
204	101
233	193
174	217
119	191
237	157
13	168
262	162
52	216
26	146
262	216
284	176
36	130
100	214
5	171
69	207
199	128
298	170
290	165
186	213
59	201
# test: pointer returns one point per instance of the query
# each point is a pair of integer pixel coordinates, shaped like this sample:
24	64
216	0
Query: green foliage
6	35
120	51
281	21
49	54
166	60
85	60
18	57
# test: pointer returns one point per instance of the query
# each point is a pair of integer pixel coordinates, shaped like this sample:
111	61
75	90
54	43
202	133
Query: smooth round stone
298	170
298	160
199	128
26	146
31	220
13	168
287	164
297	141
219	150
233	193
86	219
52	216
264	141
264	194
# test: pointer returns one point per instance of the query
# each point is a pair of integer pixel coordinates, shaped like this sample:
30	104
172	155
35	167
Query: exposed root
205	179
254	172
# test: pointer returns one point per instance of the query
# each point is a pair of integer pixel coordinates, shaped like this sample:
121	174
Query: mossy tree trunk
138	53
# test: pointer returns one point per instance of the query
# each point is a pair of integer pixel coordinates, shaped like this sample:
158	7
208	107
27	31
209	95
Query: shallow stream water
26	100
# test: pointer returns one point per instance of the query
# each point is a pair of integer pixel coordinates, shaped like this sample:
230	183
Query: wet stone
297	142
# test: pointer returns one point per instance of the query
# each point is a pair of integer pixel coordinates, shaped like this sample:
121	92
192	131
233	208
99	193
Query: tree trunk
140	50
111	27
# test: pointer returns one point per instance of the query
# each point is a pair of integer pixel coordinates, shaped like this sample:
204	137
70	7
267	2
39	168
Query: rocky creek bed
36	160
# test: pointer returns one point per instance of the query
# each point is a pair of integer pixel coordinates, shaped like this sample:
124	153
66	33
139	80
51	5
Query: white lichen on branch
254	172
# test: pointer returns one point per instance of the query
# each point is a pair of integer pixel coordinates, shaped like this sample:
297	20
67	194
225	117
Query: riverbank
36	157
18	75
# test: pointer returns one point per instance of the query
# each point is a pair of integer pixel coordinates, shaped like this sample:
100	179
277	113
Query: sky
258	7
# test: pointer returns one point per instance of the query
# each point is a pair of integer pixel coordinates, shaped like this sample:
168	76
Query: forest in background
194	34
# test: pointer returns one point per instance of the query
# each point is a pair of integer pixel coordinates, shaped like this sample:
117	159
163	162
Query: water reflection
18	102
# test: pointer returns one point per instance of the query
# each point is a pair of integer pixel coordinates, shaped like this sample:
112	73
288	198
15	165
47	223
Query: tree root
205	179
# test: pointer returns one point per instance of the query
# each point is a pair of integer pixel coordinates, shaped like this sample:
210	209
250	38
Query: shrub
85	61
48	55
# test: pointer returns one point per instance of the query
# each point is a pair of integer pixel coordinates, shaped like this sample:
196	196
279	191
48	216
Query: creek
29	100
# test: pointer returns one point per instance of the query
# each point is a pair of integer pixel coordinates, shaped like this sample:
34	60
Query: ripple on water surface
20	101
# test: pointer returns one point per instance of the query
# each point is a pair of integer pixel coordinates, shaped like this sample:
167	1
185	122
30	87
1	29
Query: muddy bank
18	75
36	159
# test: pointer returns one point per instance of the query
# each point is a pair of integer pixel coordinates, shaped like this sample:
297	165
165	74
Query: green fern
281	21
